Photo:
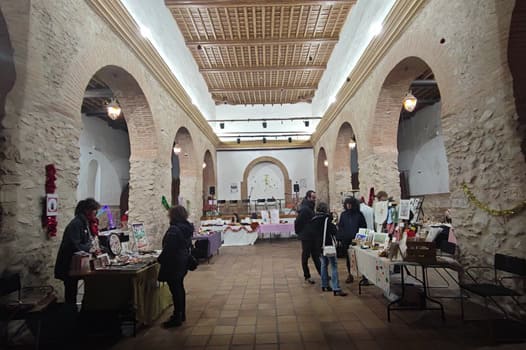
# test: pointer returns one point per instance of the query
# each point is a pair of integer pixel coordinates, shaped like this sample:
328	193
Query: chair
29	303
498	286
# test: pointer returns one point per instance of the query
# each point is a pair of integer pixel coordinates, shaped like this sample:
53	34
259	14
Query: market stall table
214	242
239	235
131	289
380	272
283	230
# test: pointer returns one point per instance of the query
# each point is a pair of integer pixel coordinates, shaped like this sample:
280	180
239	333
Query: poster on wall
233	187
405	208
139	236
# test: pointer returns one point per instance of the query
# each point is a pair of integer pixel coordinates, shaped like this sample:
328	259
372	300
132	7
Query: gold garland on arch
506	212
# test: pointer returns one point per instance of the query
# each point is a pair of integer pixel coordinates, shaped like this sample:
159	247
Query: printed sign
51	204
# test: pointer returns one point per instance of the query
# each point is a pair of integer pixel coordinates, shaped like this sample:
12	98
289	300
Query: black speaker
296	188
212	190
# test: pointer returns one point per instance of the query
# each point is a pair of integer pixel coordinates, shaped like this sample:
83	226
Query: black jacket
314	229
176	249
76	238
305	214
350	222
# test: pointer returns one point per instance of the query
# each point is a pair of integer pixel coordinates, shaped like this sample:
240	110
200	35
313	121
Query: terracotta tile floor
255	298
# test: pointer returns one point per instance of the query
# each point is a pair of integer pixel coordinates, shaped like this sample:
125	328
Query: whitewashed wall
231	166
104	161
422	152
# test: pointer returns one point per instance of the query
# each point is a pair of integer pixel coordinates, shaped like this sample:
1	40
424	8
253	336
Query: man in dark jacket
351	220
309	247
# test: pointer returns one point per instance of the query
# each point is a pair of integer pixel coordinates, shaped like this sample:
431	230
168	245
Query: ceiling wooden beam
259	42
263	69
261	88
243	3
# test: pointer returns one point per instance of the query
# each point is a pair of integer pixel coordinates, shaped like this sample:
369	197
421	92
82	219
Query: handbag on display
328	250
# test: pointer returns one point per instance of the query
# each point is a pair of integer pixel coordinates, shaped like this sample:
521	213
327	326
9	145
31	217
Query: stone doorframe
286	179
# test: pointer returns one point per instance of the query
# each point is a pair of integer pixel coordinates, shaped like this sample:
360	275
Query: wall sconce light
177	148
264	125
264	140
352	144
290	139
306	123
238	140
113	109
409	102
326	163
204	165
222	125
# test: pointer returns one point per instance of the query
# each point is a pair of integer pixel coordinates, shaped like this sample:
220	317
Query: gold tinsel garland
506	212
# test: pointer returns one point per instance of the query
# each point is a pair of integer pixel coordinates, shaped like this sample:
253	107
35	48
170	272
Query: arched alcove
345	161
209	179
322	177
92	180
287	183
184	186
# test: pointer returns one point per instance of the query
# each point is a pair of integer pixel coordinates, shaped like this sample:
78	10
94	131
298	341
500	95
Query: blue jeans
325	272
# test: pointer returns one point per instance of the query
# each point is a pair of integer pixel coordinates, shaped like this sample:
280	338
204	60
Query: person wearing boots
177	242
316	228
309	246
351	220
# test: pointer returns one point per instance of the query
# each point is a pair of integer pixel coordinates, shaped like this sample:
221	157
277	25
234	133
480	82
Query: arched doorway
410	144
209	180
345	162
104	147
261	186
322	177
185	168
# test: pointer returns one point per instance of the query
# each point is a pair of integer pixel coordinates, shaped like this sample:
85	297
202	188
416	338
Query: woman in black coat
351	220
77	237
174	259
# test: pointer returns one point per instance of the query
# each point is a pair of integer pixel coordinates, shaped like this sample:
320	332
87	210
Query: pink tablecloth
284	230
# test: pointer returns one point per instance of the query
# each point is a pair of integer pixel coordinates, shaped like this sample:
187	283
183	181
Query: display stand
416	208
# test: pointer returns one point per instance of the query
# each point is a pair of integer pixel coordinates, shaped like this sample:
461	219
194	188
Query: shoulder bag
328	250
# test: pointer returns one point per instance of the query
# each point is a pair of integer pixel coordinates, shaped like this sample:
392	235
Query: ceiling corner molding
396	22
115	14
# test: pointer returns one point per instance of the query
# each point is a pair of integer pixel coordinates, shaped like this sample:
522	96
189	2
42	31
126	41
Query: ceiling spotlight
310	58
409	102
199	47
306	123
177	148
290	139
352	144
222	125
113	109
238	140
264	140
204	165
264	125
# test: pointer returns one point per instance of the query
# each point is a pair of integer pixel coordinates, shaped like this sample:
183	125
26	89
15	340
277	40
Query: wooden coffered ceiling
266	52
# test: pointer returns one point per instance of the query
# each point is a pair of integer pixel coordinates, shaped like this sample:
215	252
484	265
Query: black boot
174	321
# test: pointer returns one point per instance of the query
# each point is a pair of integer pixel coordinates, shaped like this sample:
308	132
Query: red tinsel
51	177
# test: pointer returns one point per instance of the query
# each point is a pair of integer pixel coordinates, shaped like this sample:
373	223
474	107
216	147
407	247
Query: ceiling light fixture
352	144
290	139
306	123
177	148
326	163
238	140
204	165
264	140
264	125
113	109
222	125
409	102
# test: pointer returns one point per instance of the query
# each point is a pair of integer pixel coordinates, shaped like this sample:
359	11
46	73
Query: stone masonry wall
58	46
479	120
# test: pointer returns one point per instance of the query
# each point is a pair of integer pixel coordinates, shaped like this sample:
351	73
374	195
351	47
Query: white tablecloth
236	236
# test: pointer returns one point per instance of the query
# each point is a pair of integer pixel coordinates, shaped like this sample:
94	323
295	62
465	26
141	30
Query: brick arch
383	135
341	163
279	164
322	177
189	167
209	174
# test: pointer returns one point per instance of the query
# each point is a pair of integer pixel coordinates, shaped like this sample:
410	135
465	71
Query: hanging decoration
165	203
506	212
50	221
371	197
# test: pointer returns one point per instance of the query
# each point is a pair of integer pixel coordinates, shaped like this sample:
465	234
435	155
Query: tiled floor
255	298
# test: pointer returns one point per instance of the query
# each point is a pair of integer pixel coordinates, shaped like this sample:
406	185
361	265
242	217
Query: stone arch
189	170
322	177
279	164
209	177
383	136
345	161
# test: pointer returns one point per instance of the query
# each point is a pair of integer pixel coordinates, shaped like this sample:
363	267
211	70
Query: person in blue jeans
316	225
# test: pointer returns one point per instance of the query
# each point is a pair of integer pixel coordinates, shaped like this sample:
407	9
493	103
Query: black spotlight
264	125
290	139
306	123
199	47
238	140
264	140
222	125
